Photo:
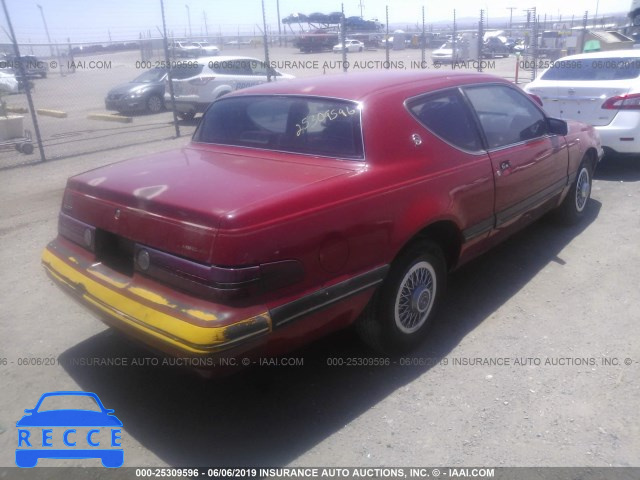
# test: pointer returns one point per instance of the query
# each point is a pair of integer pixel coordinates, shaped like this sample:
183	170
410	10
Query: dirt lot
533	360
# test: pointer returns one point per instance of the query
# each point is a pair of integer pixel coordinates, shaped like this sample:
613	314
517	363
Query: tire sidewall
150	100
396	340
582	170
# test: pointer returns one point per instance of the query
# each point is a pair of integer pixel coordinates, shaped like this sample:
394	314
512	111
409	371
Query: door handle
504	165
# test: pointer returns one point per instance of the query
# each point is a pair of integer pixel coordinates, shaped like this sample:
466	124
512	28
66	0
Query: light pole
189	20
46	29
511	9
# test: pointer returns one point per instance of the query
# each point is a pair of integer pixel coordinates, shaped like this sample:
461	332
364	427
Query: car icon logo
69	433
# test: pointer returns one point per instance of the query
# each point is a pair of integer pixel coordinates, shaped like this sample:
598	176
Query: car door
447	115
530	165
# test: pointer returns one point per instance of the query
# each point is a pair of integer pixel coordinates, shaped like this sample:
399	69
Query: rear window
594	69
314	126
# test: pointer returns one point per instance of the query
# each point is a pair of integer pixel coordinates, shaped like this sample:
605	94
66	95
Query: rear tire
399	314
574	205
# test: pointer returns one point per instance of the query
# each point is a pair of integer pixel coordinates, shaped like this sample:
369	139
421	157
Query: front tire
155	104
400	313
574	205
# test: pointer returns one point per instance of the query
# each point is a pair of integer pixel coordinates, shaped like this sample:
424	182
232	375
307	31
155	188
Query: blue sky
91	20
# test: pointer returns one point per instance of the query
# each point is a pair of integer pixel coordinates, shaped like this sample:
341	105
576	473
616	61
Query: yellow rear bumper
154	317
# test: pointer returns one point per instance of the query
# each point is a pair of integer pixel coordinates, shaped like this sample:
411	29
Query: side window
258	68
446	115
506	115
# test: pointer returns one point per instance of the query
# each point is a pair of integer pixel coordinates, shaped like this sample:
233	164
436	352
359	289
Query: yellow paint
151	296
207	316
51	113
168	328
72	259
105	278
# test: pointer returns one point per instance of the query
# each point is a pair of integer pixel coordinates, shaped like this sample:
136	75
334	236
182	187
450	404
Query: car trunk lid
581	100
175	201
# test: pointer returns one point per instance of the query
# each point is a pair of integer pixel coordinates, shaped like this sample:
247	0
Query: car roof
634	53
357	86
224	58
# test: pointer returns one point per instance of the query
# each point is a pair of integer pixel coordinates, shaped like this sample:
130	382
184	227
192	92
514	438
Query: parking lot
533	359
81	94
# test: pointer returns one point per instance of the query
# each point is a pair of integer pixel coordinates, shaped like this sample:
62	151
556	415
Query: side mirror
557	126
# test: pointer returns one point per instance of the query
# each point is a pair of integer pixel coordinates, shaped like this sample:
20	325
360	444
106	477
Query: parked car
350	46
495	47
444	54
205	49
181	48
144	93
601	89
306	206
8	82
32	66
12	83
197	84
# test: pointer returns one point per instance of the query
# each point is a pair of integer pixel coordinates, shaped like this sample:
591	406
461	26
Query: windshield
594	69
315	126
151	76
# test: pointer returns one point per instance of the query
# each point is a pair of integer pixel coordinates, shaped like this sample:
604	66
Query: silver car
198	83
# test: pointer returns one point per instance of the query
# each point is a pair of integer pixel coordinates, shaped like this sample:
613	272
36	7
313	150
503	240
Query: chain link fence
84	100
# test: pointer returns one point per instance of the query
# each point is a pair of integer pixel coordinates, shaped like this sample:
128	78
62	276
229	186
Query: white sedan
8	82
444	54
601	89
205	49
350	46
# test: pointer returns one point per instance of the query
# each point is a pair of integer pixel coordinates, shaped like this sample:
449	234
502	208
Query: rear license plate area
115	251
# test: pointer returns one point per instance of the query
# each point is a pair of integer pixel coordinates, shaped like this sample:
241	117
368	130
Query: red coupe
306	206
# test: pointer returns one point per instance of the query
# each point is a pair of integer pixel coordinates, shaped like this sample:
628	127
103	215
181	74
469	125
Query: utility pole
511	9
21	71
361	5
189	20
265	40
165	44
46	29
279	23
206	28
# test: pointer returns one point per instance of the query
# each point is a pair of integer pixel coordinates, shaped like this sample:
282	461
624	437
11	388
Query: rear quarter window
446	115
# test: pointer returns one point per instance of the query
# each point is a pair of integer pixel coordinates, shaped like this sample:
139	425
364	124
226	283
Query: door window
506	115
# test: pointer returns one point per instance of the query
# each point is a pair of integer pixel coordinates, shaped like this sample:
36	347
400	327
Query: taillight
536	99
623	102
210	281
201	80
78	232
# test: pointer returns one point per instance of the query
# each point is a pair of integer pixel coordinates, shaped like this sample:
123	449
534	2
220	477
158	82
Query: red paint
233	206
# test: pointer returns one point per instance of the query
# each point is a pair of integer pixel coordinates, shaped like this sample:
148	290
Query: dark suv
495	47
